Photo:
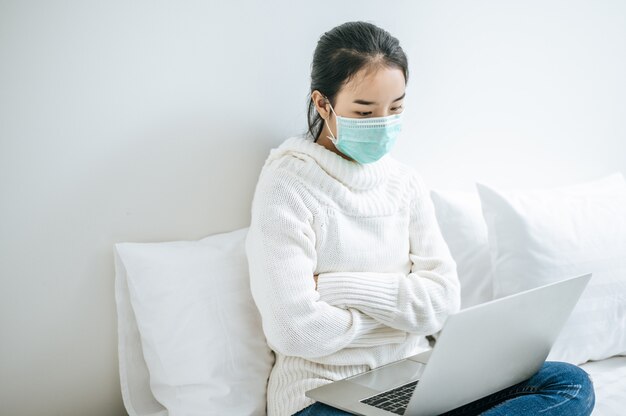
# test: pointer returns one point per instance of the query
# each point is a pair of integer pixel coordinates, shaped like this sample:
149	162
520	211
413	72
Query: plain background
150	121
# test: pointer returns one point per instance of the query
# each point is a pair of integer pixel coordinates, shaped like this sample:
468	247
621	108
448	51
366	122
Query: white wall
150	120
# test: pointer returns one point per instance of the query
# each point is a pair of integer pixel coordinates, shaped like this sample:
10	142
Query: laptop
480	350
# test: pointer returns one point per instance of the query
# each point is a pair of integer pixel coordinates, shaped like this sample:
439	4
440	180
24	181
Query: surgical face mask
366	140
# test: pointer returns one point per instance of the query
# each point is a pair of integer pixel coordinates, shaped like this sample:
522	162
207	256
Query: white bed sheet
609	380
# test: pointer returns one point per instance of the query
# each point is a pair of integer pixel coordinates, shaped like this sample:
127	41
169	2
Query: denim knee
573	375
584	379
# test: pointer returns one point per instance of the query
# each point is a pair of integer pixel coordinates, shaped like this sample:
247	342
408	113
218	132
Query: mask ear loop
332	139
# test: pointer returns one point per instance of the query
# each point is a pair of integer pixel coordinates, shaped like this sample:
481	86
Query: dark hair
341	53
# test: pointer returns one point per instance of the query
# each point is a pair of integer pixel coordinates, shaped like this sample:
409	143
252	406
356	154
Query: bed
190	337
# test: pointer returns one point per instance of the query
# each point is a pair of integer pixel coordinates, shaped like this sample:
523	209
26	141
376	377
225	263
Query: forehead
379	84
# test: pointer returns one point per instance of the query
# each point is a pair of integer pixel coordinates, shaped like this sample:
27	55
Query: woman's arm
418	302
281	256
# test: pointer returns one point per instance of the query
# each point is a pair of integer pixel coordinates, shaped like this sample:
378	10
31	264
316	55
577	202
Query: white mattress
609	380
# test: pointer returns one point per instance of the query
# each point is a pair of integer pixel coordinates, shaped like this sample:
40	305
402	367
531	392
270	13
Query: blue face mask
366	140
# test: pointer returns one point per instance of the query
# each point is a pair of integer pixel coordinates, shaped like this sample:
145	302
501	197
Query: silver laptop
480	350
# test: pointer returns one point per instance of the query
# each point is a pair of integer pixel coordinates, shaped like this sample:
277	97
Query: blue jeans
556	389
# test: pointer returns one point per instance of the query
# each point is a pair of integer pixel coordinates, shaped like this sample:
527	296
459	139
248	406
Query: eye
398	108
363	113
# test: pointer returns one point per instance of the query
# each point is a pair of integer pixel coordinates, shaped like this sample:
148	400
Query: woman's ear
321	104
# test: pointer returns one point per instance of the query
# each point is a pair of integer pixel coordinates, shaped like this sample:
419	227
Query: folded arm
281	256
418	302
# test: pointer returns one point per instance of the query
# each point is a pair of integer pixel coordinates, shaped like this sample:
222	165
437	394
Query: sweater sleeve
418	302
281	253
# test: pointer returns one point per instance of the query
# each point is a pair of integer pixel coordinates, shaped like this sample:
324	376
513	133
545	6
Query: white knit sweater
386	277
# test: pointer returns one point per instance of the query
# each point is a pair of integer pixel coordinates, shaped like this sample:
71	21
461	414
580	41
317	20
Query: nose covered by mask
366	140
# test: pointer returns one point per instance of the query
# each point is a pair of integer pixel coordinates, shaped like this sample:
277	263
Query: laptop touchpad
391	375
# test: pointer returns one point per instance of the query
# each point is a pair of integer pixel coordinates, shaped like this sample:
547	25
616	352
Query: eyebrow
364	102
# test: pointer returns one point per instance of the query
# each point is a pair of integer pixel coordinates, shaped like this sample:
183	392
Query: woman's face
372	92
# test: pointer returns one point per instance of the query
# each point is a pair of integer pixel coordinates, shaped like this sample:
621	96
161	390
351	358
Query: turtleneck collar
352	174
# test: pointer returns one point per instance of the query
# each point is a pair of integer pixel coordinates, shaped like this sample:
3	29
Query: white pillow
201	333
544	235
462	226
134	377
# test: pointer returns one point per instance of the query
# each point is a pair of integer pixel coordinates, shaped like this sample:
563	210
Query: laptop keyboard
394	400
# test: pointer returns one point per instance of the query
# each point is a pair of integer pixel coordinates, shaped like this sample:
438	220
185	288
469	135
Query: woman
348	267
